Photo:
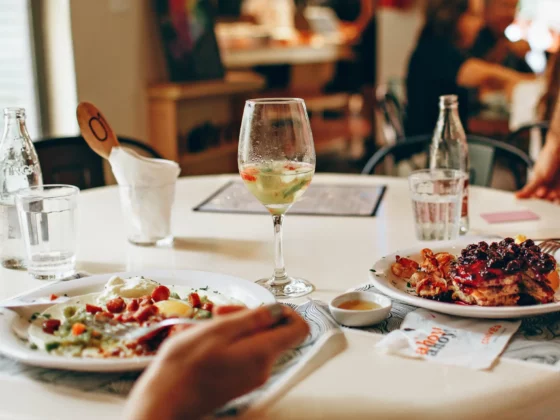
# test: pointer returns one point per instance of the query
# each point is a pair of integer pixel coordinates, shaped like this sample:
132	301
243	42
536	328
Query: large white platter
397	288
11	346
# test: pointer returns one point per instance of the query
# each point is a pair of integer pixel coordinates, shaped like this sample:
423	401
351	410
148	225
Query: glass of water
437	197
47	216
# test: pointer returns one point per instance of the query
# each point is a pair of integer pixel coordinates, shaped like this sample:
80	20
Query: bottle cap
448	101
14	112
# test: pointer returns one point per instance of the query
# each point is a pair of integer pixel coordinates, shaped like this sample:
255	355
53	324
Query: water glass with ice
47	216
437	196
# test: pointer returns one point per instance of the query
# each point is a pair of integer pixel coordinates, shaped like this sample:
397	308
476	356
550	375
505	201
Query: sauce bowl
360	318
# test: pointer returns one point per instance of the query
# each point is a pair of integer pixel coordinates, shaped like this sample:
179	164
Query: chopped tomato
160	293
146	300
251	170
103	316
126	318
146	312
194	300
92	309
208	306
96	334
78	328
116	305
248	177
51	325
54	297
133	305
290	167
227	309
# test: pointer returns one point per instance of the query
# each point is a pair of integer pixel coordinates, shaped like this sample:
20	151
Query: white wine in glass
277	162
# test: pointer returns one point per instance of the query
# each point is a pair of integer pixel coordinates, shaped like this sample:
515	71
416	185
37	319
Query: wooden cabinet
196	124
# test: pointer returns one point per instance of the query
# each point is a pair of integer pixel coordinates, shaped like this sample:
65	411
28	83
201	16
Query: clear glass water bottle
19	168
449	148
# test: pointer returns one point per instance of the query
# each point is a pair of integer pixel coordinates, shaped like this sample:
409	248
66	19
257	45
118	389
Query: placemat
319	200
536	341
324	342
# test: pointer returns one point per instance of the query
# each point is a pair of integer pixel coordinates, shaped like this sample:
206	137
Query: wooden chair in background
69	160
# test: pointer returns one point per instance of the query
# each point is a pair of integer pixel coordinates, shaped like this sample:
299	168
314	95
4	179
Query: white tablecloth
335	254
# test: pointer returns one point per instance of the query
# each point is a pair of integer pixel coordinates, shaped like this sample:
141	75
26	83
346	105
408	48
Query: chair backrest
392	111
525	131
482	155
69	160
530	137
142	148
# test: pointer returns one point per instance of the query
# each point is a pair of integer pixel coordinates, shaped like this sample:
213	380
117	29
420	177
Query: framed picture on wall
189	40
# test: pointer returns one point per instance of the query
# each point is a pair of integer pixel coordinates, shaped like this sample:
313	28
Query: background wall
397	33
116	57
117	54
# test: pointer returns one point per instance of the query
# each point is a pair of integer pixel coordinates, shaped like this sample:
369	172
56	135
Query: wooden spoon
95	129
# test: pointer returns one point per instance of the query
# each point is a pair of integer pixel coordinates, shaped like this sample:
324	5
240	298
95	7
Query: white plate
11	346
397	288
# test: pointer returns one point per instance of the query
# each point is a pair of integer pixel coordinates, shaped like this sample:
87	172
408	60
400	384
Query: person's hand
519	48
350	33
545	182
199	370
499	53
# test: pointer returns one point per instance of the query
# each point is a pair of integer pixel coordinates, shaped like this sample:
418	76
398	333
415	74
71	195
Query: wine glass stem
280	275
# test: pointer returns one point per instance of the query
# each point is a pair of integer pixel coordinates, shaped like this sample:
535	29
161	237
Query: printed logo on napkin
448	340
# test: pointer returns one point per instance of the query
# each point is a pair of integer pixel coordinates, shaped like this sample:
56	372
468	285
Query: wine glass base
293	288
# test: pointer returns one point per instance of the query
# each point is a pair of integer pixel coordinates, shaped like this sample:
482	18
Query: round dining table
335	254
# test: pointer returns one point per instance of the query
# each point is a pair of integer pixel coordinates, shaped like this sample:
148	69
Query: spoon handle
95	129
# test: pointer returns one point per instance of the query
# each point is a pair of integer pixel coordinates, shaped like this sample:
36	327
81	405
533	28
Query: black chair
518	136
482	155
69	160
393	113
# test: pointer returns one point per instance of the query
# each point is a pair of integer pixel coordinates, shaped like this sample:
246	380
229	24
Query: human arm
478	73
353	31
366	13
200	369
504	47
545	182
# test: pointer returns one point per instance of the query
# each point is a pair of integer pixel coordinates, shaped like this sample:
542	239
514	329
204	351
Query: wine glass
277	161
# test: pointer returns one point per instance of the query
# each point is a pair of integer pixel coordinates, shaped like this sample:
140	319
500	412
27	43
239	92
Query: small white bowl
353	318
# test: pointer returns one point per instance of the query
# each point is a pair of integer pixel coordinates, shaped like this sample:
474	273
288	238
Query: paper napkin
468	342
147	190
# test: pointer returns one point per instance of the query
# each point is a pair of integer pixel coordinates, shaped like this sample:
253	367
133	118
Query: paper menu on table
319	199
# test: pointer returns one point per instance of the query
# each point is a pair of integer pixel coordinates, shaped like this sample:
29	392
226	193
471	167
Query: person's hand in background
519	48
545	182
199	370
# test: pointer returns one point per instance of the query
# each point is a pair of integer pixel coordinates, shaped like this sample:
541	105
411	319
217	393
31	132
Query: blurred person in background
278	17
492	44
359	30
545	182
441	65
548	101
